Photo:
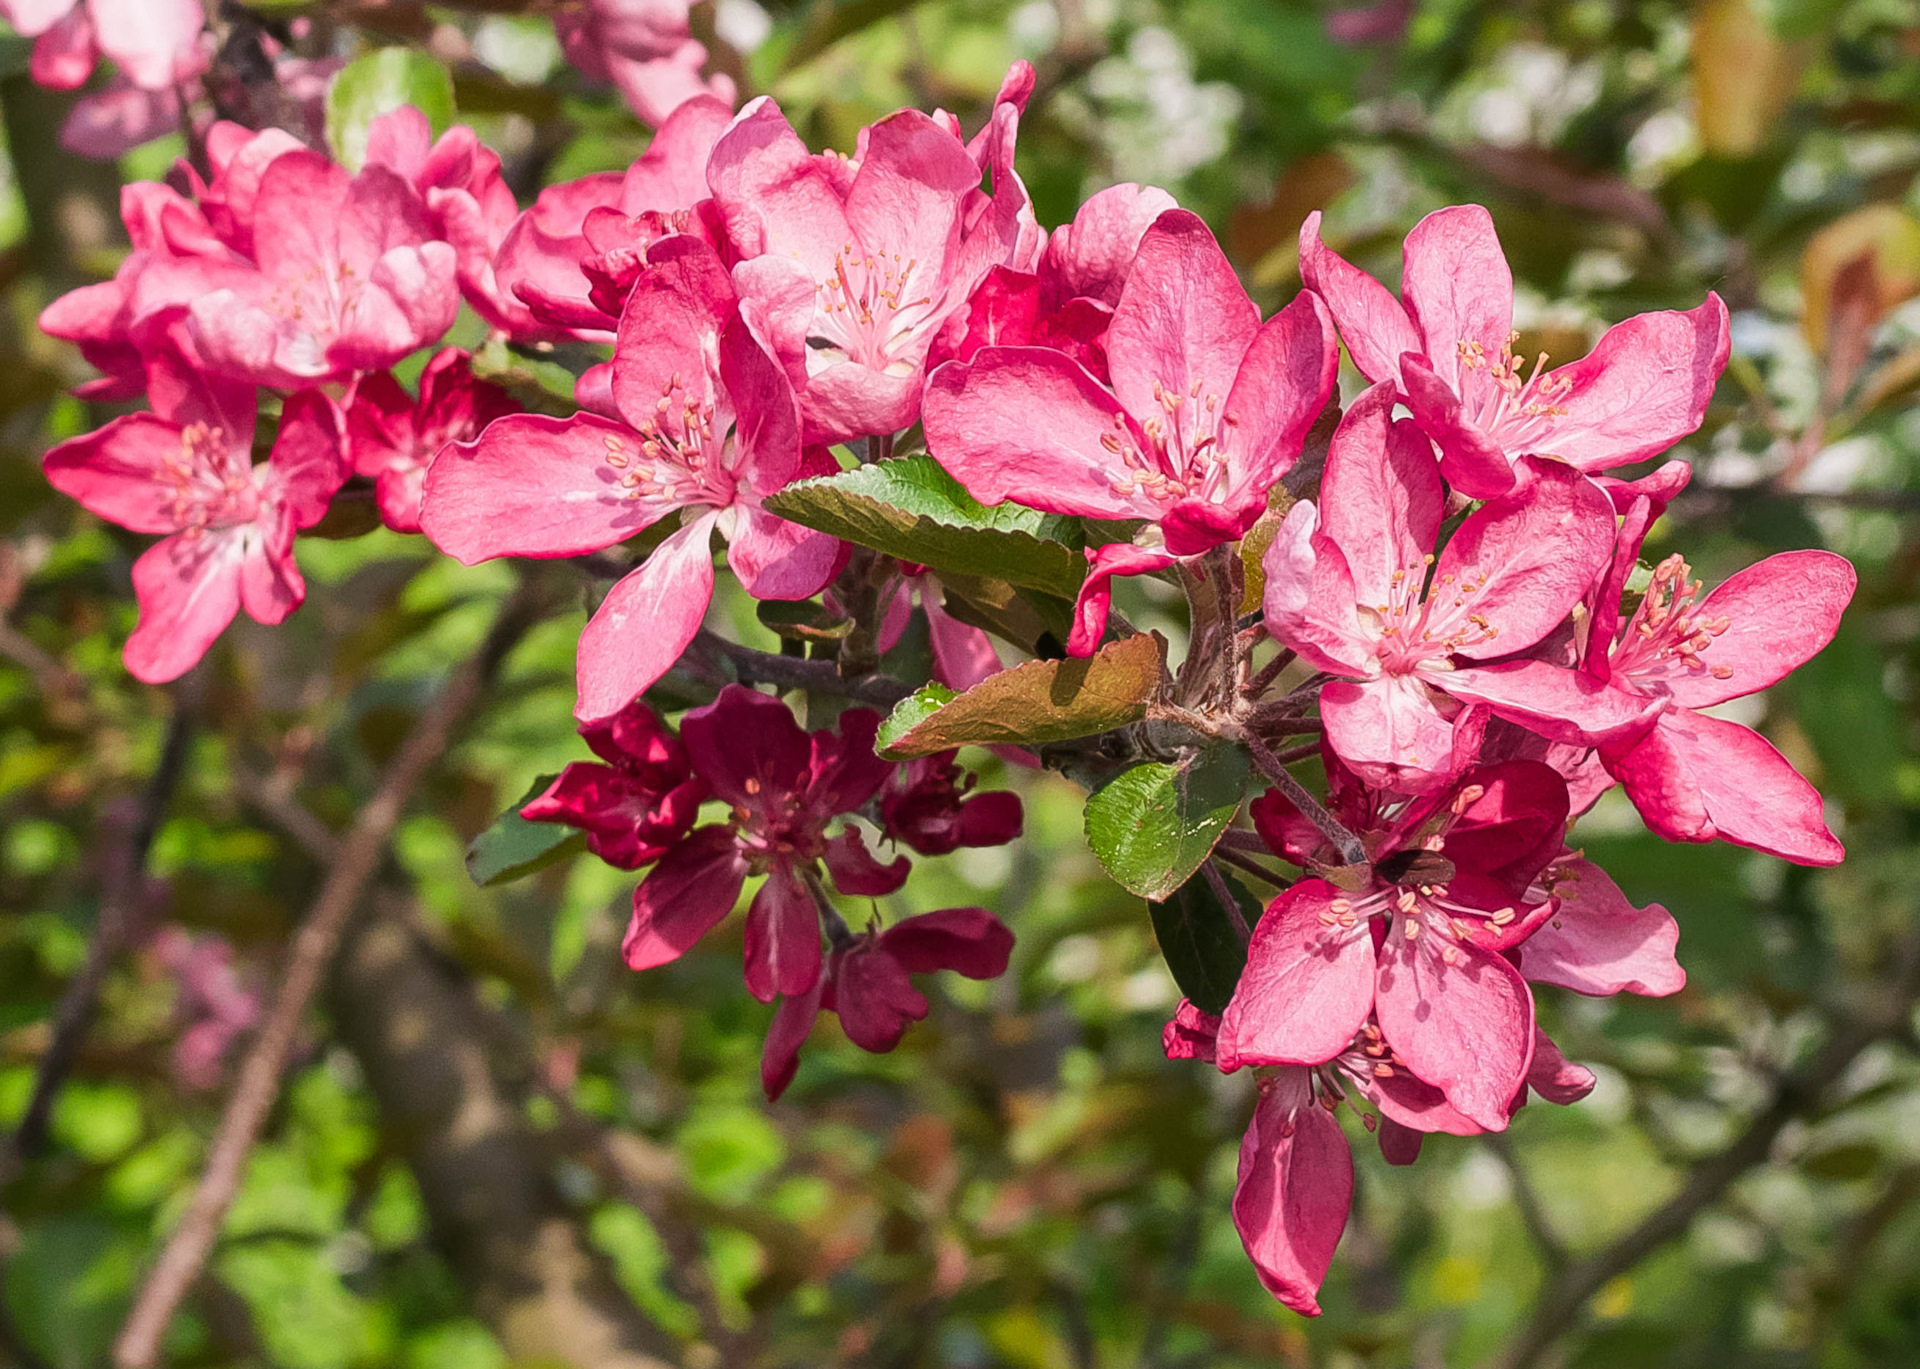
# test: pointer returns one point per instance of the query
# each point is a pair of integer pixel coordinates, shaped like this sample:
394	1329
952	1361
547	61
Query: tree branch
788	672
258	1082
1563	1298
124	884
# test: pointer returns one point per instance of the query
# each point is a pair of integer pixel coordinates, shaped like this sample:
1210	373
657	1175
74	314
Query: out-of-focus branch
422	1040
258	1082
1801	1090
124	883
1553	1251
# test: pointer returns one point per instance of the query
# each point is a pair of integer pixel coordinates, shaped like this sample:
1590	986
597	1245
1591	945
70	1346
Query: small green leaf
1034	703
910	712
1198	938
910	508
376	83
1151	826
512	848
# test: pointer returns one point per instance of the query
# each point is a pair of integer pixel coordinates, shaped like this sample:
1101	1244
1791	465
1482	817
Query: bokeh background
1025	1182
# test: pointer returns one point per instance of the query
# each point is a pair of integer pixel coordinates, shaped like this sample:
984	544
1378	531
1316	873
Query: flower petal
1308	985
1598	943
1780	613
1381	499
1465	1027
782	937
645	622
189	590
1294	1189
1183	323
1372	322
1457	286
684	897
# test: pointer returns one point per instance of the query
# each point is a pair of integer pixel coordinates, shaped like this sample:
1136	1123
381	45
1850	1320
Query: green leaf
1151	826
910	712
912	509
1034	703
513	848
377	83
1199	941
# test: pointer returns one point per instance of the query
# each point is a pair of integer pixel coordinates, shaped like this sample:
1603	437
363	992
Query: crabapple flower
1417	942
607	220
1208	409
213	1006
963	655
867	984
708	429
1447	346
1067	301
347	276
393	437
852	269
1351	586
187	470
637	801
1694	776
929	807
783	787
645	48
155	43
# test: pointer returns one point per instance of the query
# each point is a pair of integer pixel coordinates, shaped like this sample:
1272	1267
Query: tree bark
495	1215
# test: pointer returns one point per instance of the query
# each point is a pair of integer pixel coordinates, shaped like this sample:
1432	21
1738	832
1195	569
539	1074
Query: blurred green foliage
1025	1182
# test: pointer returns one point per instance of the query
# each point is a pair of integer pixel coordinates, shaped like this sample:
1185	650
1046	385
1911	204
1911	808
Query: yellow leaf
1743	76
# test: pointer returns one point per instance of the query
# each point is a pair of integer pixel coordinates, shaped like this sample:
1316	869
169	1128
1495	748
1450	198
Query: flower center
681	456
1668	632
1421	624
1186	450
1499	399
863	312
206	489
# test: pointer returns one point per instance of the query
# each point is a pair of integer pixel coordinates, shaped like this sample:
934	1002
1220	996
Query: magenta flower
608	220
963	655
639	803
1067	301
784	786
643	47
709	428
186	469
1208	409
213	1006
468	201
1693	776
347	276
393	437
155	43
1447	346
1418	944
929	806
866	983
853	269
1351	586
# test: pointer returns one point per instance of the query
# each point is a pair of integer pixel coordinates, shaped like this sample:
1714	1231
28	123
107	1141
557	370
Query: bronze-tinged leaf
1032	704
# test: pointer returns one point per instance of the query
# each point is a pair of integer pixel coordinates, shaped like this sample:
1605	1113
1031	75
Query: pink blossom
347	276
393	437
186	469
1208	409
784	787
636	805
469	202
645	48
1692	775
1352	586
605	221
866	983
1067	301
1447	346
708	428
852	269
213	1006
155	43
1418	942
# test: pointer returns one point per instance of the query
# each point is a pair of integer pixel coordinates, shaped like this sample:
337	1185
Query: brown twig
258	1082
124	884
1350	848
788	672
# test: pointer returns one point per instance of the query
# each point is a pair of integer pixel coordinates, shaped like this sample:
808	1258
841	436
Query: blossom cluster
1457	589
